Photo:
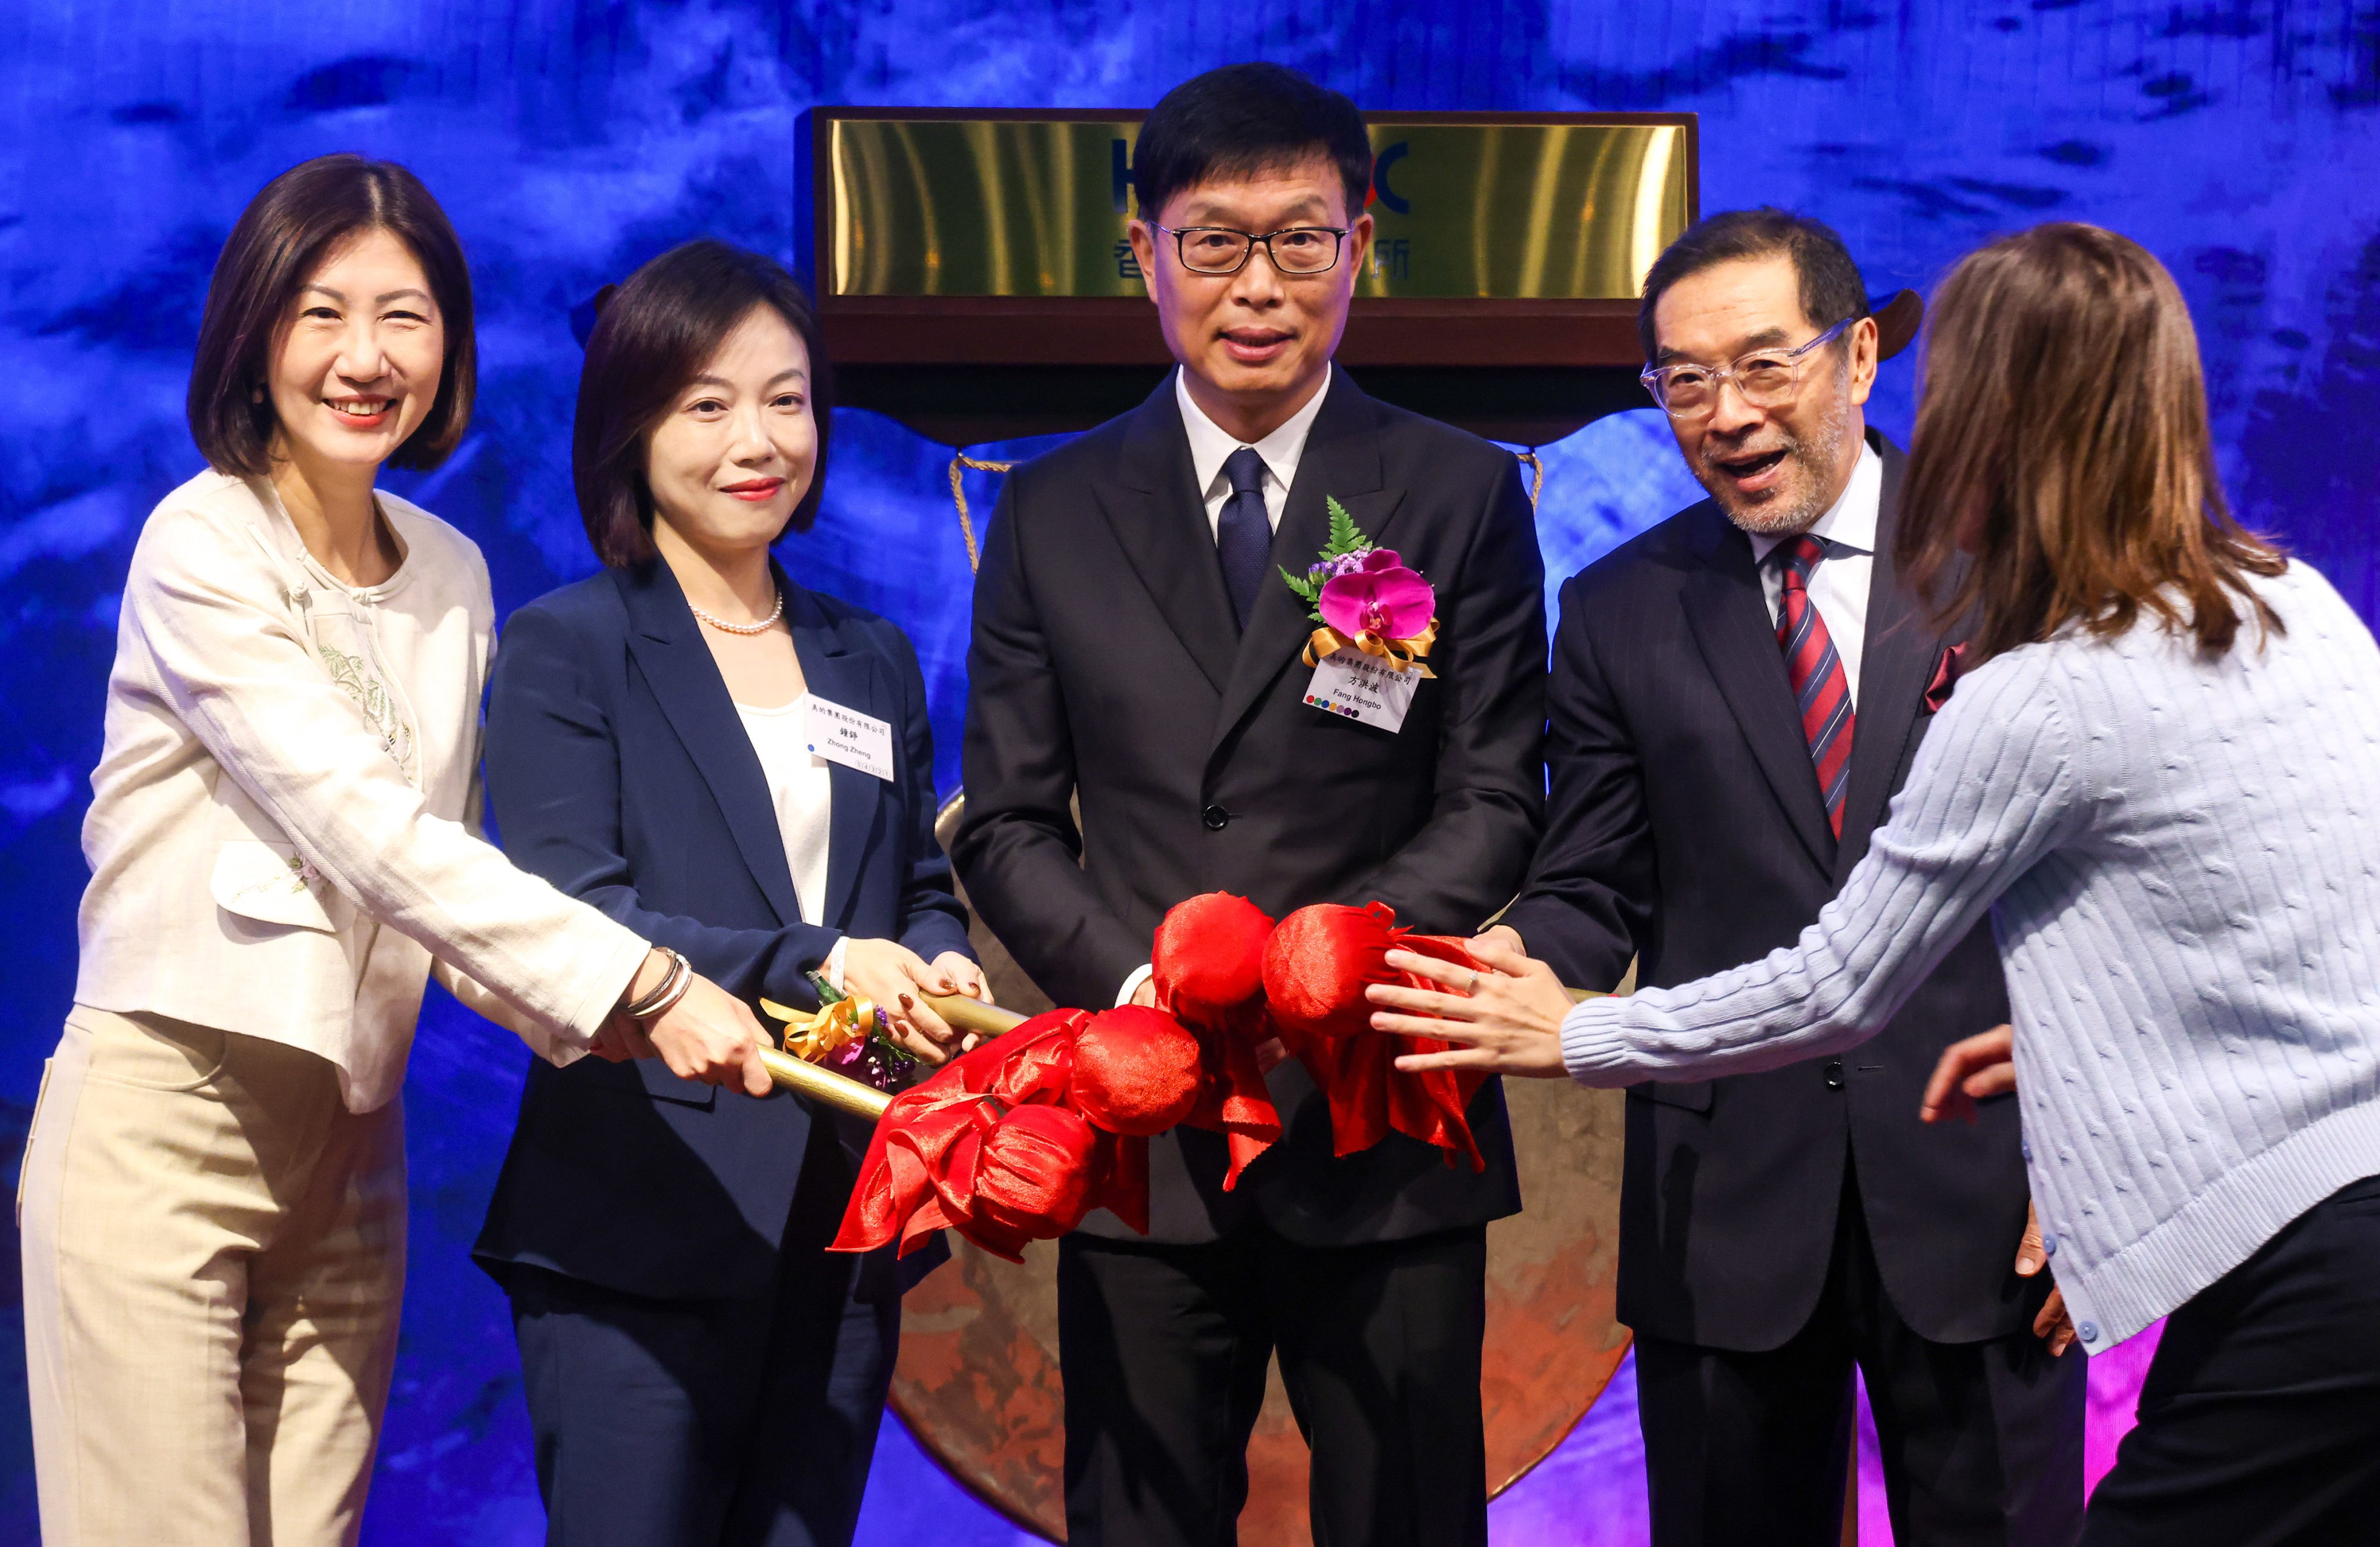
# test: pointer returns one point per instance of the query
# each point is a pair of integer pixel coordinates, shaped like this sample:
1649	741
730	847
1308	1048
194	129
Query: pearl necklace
723	626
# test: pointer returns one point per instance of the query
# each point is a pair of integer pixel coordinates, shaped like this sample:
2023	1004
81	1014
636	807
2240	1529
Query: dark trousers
1981	1441
1165	1348
2260	1419
711	1424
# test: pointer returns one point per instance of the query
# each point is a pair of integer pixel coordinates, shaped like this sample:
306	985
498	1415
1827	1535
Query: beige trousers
214	1257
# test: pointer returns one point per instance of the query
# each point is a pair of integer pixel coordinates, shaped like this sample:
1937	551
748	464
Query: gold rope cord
1528	458
960	461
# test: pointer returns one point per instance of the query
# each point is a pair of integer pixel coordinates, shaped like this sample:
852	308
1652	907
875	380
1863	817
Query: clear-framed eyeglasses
1303	250
1767	377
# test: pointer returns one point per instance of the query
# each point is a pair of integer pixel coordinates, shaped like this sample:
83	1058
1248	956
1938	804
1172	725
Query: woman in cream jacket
283	847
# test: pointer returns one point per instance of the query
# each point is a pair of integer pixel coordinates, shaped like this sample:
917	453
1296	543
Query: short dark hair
282	236
1832	287
653	333
1243	119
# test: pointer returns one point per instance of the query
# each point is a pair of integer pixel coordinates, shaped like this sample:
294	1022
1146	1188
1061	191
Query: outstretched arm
1992	790
205	602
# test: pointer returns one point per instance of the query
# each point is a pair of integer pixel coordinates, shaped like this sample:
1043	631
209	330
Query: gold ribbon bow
1402	655
818	1036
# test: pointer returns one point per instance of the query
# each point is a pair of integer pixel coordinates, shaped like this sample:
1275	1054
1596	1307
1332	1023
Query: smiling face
735	452
356	364
1774	471
1255	345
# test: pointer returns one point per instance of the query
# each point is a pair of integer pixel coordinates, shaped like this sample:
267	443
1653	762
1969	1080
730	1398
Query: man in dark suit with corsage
1138	645
1737	694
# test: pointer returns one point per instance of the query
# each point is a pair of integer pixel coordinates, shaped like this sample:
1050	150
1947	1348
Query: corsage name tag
1362	688
1378	618
848	737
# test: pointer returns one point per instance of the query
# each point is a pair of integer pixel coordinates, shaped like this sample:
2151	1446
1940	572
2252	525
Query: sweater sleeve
207	604
1993	789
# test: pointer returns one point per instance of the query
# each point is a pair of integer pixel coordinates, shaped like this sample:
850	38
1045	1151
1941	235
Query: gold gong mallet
821	1083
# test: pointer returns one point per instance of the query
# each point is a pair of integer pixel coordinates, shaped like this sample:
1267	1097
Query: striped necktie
1821	690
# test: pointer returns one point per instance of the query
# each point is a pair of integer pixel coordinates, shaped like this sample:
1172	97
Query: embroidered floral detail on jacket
359	682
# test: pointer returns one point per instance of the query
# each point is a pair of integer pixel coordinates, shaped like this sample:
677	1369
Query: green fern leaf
1345	538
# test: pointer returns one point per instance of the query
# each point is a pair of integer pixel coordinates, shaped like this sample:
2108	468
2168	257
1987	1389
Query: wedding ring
1474	987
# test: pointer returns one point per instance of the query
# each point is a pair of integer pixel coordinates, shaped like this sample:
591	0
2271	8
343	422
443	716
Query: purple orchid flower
1380	597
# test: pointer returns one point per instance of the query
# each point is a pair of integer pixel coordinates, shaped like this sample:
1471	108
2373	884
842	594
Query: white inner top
801	790
1838	586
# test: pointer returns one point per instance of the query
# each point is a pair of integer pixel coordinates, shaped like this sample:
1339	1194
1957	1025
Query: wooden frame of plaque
971	286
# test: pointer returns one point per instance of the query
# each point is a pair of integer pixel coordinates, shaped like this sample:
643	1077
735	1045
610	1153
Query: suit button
1214	816
1834	1074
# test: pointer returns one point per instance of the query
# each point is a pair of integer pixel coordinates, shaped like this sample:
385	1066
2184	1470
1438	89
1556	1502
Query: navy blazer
619	771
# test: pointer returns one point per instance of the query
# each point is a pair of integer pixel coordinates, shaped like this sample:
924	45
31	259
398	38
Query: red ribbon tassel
990	1147
1316	969
1207	964
1020	1139
1136	1070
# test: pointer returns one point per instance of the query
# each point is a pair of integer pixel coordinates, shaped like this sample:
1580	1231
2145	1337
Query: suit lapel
668	650
1728	618
1896	661
1342	461
849	678
1156	510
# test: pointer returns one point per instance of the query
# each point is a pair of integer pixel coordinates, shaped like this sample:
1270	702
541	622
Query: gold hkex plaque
1569	209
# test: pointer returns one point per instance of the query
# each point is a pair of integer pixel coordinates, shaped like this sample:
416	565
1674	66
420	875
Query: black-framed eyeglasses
1767	377
1301	251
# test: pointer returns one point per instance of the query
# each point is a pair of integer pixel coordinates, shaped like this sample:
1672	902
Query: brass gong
977	1380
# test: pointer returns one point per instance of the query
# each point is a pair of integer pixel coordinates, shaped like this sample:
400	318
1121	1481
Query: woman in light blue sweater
2163	783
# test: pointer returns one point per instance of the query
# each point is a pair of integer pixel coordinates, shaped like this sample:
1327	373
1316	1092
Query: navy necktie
1243	532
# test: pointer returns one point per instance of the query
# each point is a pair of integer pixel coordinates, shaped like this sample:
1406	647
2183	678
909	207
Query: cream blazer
264	858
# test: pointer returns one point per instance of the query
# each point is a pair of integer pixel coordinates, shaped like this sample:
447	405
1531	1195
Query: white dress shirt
1838	586
1210	446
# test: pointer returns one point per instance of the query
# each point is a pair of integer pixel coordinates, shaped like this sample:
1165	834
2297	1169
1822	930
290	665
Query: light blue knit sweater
2182	863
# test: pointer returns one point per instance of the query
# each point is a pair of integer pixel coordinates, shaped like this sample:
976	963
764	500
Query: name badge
1362	688
848	737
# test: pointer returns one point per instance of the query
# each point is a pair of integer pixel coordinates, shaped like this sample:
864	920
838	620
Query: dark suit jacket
1686	829
1105	661
619	771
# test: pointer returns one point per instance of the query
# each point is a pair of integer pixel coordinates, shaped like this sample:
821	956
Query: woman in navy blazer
698	1368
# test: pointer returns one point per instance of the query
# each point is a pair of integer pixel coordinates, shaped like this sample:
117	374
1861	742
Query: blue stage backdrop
572	139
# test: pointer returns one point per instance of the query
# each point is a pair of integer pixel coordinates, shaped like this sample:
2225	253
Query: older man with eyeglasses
1736	697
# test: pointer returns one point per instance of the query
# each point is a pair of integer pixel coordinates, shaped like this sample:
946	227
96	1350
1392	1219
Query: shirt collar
1848	526
1211	445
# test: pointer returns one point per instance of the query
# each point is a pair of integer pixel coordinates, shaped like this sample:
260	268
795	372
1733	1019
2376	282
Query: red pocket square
1946	677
